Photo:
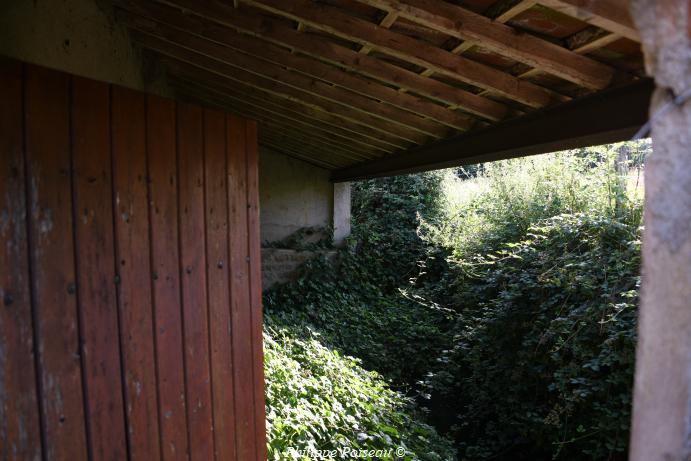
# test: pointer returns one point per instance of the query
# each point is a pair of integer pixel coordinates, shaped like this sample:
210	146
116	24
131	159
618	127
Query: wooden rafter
213	15
386	22
227	61
330	122
276	111
434	113
511	9
501	39
611	116
336	84
611	15
409	49
506	14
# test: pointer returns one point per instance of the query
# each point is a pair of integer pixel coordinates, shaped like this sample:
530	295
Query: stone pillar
662	396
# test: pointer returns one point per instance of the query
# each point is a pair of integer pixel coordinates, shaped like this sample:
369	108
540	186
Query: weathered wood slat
193	279
502	39
163	211
292	142
306	155
239	285
255	276
217	264
364	123
93	219
20	428
54	288
231	99
409	49
134	279
134	272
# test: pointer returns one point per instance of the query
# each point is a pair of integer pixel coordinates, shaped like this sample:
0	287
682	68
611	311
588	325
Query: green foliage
542	358
318	396
544	274
506	296
356	303
509	196
320	399
385	218
390	333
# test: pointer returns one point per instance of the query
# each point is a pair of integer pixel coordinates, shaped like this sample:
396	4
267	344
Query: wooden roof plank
501	39
268	141
402	123
326	72
288	117
276	32
235	100
348	128
409	49
611	15
278	84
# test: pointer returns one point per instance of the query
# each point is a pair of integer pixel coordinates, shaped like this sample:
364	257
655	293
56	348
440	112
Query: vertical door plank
52	259
19	415
161	147
243	366
193	280
134	272
255	277
218	283
93	217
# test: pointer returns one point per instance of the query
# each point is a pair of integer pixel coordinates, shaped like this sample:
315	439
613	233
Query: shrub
317	398
543	273
385	218
394	335
542	359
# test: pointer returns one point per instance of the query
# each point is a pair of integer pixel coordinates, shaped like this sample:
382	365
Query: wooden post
662	396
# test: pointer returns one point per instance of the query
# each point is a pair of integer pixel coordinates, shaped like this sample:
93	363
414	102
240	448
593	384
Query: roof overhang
610	116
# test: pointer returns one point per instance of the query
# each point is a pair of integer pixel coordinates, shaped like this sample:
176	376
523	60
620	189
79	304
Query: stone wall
281	265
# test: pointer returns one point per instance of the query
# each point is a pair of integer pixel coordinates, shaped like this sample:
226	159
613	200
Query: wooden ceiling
345	83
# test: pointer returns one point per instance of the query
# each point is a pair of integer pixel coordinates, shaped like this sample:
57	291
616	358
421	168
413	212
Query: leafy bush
385	218
319	399
394	335
509	196
544	274
507	295
542	360
355	303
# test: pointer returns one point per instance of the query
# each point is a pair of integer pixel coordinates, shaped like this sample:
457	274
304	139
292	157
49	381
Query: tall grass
507	197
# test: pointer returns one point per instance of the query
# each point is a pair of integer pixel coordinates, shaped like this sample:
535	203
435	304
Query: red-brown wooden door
130	298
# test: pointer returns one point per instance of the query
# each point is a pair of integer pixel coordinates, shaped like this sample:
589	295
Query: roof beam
386	22
237	98
331	122
509	12
331	20
280	55
611	15
276	32
501	39
360	110
609	116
